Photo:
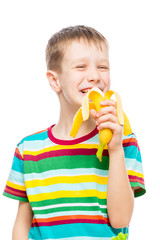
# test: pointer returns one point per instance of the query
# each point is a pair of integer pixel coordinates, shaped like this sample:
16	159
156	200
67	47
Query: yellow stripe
61	147
16	186
66	179
73	179
133	173
67	194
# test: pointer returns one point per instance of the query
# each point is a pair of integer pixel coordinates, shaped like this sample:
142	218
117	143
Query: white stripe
18	183
70	213
69	205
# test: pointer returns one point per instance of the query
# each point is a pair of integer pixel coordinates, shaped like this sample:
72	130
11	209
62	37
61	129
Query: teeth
85	91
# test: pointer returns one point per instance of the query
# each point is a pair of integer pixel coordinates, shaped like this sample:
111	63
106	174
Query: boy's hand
107	118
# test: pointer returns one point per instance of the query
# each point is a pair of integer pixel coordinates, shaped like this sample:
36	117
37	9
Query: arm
23	222
120	197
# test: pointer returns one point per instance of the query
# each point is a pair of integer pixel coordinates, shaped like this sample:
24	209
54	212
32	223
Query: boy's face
84	66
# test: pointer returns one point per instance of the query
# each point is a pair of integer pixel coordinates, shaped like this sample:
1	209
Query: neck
64	125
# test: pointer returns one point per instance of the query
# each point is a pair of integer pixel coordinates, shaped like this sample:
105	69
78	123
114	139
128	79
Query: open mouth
85	90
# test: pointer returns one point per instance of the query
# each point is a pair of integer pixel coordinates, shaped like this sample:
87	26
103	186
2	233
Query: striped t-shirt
66	185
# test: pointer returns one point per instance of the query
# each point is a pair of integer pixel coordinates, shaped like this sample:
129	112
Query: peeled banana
105	135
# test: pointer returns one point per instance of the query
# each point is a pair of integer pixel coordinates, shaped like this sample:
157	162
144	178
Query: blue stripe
72	230
132	152
76	238
94	139
38	145
16	176
133	164
36	136
67	187
17	165
66	172
132	135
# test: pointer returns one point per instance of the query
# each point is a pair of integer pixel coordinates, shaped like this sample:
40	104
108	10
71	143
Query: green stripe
104	210
68	200
15	197
139	192
72	208
66	162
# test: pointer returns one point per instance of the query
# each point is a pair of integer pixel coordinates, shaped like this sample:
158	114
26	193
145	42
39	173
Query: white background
27	104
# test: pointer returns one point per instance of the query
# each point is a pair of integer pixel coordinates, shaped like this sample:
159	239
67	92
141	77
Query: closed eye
103	67
80	66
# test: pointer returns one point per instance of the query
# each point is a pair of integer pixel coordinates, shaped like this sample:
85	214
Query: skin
85	66
23	222
120	195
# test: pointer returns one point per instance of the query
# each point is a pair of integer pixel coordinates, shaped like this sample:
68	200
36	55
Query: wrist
116	151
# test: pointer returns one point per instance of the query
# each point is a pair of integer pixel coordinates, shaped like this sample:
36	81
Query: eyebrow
85	59
79	60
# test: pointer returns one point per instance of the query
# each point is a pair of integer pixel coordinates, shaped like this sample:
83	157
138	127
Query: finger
93	113
109	103
107	118
107	110
106	125
113	126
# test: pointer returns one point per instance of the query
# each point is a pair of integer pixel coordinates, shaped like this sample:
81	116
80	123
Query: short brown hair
59	41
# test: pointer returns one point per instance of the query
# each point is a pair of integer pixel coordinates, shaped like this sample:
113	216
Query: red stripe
17	195
128	144
17	154
69	142
15	192
132	139
71	221
64	152
136	179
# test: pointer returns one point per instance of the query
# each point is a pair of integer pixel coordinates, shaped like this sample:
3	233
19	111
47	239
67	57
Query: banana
105	135
78	119
120	236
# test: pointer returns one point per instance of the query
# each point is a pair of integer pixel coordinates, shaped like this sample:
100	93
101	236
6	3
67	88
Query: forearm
23	222
20	231
120	198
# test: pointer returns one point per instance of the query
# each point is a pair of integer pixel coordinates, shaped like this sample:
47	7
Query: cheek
79	75
109	82
106	78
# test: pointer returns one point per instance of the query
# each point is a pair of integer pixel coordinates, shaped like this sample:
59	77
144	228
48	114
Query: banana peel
78	119
92	101
120	236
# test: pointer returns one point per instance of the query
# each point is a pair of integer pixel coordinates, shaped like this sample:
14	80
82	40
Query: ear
53	80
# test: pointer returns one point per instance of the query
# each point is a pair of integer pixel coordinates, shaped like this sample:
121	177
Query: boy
63	189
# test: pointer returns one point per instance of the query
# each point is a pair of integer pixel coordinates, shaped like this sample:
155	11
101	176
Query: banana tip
99	157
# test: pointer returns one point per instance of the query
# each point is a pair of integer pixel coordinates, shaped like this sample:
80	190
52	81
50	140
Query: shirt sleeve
133	163
15	186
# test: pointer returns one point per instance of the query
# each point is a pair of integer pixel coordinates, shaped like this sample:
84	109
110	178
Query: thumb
93	114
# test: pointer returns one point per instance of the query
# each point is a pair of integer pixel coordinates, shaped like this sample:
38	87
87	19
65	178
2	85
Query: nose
93	75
